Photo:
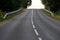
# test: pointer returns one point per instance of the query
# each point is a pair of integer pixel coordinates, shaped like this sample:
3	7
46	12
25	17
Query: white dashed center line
33	26
39	38
35	30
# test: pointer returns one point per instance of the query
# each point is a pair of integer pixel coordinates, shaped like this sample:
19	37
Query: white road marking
32	22
39	38
33	26
36	32
32	18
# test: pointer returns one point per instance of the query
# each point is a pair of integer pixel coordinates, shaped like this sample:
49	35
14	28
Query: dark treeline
25	3
52	5
11	5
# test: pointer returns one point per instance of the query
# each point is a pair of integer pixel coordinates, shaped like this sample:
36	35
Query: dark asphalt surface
20	27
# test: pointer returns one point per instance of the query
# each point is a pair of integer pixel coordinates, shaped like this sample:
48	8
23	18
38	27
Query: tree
52	5
11	5
25	3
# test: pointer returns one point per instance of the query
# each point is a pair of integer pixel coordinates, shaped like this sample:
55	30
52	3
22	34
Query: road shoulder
50	17
11	17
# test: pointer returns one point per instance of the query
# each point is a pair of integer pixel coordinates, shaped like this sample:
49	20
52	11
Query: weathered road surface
30	25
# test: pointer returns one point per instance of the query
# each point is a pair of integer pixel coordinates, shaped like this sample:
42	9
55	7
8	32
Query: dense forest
11	5
52	5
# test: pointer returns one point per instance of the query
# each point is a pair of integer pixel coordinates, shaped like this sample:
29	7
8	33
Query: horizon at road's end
36	4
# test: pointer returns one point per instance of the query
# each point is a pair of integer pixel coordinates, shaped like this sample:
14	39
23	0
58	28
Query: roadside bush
58	12
1	15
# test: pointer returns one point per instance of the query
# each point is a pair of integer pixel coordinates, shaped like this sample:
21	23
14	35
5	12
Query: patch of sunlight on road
36	4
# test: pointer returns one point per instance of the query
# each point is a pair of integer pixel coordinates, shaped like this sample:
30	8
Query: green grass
56	16
1	19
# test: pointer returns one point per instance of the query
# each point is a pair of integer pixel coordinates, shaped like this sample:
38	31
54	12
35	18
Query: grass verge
56	17
11	16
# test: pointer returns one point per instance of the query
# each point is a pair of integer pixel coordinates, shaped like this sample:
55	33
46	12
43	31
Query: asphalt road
32	24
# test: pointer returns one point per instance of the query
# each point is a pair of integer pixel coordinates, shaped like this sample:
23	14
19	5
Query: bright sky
36	4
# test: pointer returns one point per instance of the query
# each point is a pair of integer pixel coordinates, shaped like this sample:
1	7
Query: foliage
1	14
52	5
25	3
11	5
